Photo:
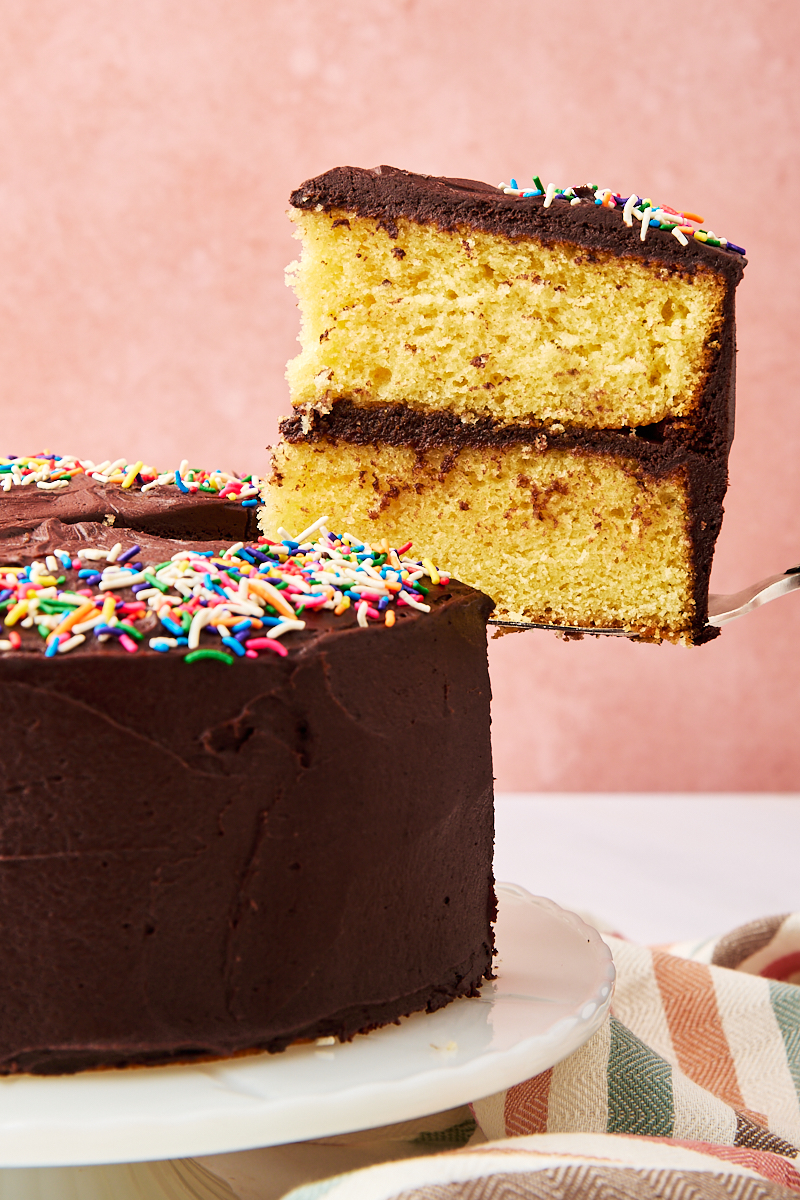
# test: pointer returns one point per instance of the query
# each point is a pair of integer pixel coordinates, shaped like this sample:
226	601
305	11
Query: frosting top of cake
73	587
389	193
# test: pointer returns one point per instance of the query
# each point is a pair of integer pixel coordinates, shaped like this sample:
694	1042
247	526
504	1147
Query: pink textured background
148	151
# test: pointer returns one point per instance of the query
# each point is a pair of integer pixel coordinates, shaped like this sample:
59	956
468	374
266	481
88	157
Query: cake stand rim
54	1137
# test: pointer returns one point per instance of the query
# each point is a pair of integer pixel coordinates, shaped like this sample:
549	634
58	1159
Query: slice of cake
538	386
245	791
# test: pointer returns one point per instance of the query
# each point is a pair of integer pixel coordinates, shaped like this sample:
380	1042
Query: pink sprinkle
373	612
128	643
264	643
400	600
85	592
76	564
371	595
251	654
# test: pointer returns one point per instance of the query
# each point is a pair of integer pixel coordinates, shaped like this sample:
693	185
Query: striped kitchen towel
690	1089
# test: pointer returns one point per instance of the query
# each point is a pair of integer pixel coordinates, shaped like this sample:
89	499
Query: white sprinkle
361	613
52	563
645	219
301	537
549	195
684	241
107	583
155	642
6	482
575	200
276	631
93	555
85	626
326	1041
184	467
5	644
200	619
52	487
71	643
628	209
229	553
113	552
115	466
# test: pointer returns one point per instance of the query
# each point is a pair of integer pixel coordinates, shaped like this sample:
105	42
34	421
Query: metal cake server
721	609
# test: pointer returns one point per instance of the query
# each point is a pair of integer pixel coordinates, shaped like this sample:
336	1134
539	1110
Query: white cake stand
553	988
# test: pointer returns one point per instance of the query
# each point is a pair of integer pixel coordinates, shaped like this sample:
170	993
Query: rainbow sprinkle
246	597
682	225
54	472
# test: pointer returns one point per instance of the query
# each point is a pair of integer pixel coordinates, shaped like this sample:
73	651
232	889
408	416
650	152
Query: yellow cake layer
482	326
555	537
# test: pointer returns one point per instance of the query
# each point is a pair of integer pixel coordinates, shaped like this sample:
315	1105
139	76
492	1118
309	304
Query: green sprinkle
160	566
134	633
538	183
44	631
420	587
56	606
234	574
151	579
300	609
186	621
218	655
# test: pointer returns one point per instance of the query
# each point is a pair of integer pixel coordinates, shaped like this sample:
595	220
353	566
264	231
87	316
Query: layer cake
538	385
225	828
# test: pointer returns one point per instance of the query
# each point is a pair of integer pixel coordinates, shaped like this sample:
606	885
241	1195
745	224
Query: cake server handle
722	609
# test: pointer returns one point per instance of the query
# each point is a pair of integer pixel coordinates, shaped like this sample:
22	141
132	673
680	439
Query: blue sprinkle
234	645
654	224
250	503
265	620
179	482
290	545
242	626
383	603
175	629
182	641
514	183
91	577
246	556
736	249
52	648
66	561
6	592
159	645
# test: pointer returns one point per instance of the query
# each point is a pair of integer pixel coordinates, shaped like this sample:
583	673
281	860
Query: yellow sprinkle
47	580
132	473
19	610
389	618
342	606
431	569
109	604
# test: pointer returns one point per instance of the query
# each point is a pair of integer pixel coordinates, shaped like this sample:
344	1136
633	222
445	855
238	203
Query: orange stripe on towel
690	1003
526	1105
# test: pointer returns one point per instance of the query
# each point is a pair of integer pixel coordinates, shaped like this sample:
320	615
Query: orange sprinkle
74	617
342	606
692	217
389	618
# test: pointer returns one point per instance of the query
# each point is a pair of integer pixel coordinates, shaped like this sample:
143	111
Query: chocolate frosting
388	194
165	511
197	860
